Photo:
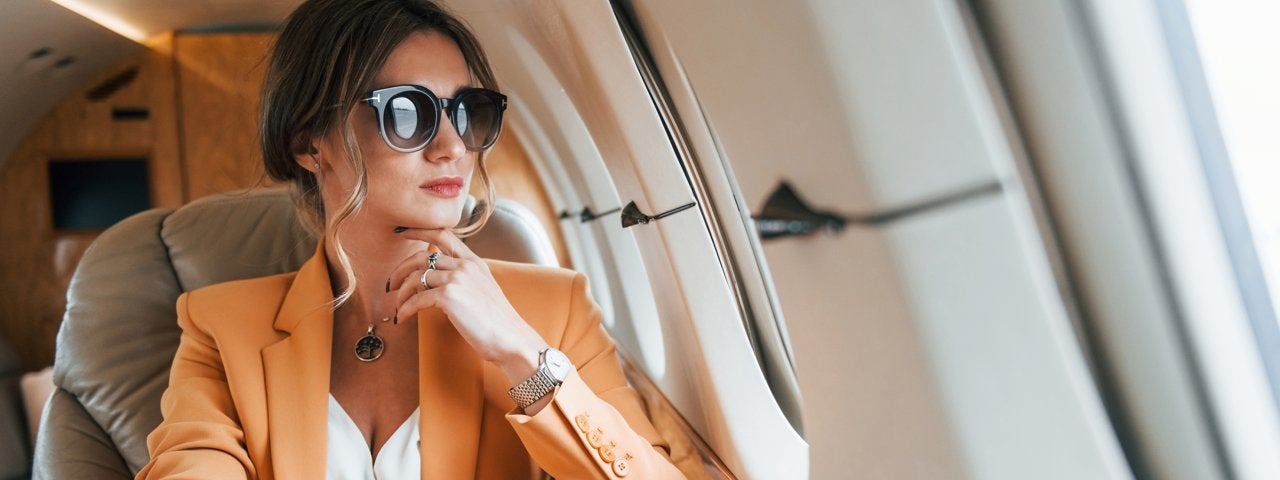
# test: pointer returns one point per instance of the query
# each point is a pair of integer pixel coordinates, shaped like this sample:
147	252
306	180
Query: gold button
596	438
584	424
621	468
606	452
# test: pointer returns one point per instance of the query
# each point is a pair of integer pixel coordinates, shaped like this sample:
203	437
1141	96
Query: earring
317	164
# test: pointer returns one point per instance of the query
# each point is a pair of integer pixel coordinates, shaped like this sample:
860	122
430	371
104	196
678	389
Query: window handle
786	215
586	215
632	216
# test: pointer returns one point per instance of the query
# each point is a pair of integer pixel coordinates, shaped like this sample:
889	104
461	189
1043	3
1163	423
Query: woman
383	357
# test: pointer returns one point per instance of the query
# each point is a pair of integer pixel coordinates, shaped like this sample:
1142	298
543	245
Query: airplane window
1236	41
553	130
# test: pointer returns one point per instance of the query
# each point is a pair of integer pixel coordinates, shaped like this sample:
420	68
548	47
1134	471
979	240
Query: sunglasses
409	116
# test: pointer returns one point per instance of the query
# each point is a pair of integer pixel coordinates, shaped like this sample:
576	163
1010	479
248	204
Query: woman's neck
372	258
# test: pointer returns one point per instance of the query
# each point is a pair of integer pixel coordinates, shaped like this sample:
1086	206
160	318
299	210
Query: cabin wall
201	92
38	262
219	81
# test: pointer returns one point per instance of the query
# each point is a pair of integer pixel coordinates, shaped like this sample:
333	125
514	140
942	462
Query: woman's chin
434	222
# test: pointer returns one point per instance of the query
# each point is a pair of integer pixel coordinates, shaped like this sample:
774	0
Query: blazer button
621	468
606	452
584	423
596	438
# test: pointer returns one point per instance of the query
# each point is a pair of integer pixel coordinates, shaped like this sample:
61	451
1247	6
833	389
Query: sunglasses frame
379	98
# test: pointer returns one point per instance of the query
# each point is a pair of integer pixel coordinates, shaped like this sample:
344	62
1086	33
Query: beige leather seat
15	448
119	334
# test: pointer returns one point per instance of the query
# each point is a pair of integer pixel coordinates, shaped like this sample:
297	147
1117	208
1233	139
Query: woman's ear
308	160
306	154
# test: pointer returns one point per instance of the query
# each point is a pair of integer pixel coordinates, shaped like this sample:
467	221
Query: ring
431	260
423	280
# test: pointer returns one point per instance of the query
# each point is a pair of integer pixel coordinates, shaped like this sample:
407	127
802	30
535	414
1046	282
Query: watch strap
533	388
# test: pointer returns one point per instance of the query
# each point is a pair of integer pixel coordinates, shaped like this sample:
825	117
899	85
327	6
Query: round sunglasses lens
409	120
478	120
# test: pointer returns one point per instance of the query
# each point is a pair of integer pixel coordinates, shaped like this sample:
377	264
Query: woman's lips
447	187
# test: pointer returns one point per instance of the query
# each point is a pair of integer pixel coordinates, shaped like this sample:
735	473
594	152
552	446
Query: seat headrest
234	236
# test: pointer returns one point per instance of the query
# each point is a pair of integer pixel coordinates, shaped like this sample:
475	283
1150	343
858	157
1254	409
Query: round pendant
369	347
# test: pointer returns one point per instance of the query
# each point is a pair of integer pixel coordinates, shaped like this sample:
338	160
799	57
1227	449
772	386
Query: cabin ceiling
48	50
152	17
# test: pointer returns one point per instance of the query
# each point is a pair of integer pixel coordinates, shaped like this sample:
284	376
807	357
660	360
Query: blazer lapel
297	375
451	395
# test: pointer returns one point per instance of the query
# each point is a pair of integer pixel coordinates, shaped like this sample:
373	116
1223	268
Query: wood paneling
38	262
219	81
167	187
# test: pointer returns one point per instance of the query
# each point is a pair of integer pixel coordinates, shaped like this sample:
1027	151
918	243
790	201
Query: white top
349	459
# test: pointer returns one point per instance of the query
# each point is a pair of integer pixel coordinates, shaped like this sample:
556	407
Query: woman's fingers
449	243
412	284
410	306
417	262
410	263
459	275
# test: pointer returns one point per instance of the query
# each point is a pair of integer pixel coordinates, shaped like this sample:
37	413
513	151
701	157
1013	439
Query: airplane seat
14	460
119	334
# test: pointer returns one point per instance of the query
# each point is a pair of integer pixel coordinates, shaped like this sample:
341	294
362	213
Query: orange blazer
248	391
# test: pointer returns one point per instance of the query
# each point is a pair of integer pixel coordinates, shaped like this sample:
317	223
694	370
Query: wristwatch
553	368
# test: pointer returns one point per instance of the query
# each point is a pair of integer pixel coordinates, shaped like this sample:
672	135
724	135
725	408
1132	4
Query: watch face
557	363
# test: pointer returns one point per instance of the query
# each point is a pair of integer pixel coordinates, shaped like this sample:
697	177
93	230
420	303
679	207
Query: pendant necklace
370	346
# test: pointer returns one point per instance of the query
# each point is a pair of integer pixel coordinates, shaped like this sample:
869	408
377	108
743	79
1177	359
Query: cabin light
106	19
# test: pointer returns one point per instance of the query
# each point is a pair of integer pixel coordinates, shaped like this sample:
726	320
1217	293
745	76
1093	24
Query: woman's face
423	189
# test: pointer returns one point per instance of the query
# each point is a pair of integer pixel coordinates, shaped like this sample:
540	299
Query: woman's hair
324	62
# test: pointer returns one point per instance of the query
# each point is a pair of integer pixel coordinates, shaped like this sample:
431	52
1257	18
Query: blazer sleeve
200	436
595	425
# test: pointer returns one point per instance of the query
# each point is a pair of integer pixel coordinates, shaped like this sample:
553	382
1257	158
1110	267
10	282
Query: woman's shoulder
272	286
238	300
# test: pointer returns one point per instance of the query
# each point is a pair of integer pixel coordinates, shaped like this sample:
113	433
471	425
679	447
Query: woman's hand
464	289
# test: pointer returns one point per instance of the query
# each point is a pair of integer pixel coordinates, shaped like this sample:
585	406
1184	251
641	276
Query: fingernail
401	229
388	285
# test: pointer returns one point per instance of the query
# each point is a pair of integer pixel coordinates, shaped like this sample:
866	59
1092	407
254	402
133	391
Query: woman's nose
448	144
